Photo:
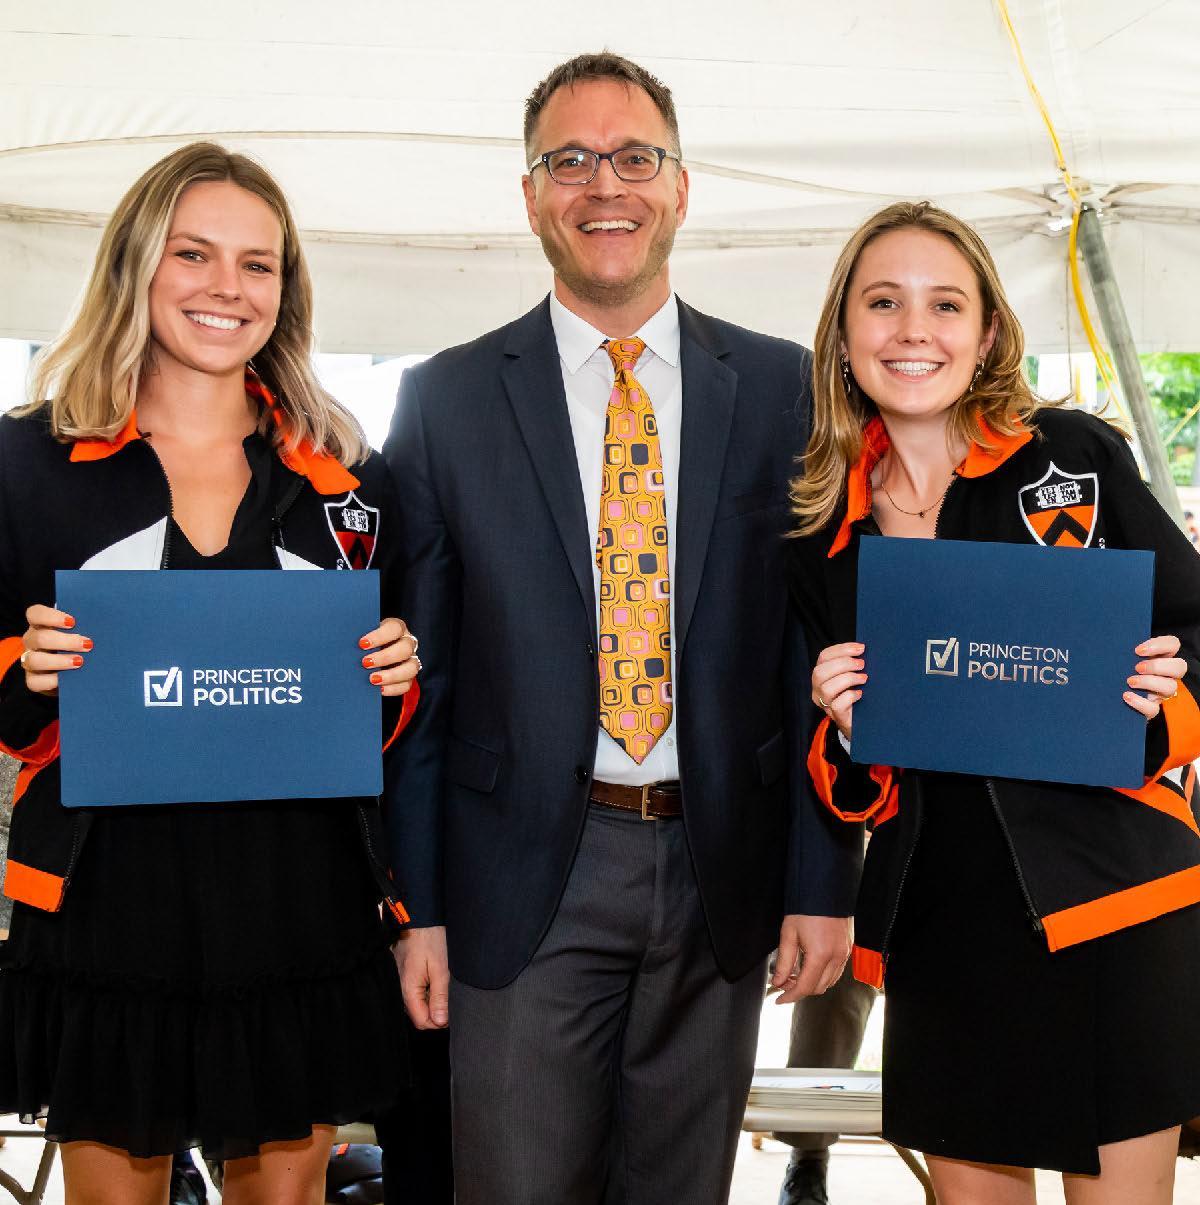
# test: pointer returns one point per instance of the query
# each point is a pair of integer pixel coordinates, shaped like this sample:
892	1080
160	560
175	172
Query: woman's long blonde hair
1000	396
87	379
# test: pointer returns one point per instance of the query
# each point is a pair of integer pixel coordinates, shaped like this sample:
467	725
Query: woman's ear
989	337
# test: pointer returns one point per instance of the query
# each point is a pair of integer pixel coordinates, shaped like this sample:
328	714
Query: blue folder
1004	660
209	686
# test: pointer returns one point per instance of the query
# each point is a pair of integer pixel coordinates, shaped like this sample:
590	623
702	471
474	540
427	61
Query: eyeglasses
577	165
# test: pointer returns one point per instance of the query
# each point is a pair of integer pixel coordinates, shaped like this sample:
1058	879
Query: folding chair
36	1193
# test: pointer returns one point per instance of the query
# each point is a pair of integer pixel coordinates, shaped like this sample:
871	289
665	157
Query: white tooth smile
613	224
913	368
216	322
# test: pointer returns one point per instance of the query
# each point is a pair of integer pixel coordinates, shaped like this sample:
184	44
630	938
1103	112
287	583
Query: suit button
590	650
581	774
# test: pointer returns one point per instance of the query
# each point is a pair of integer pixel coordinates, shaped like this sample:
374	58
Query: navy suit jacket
487	790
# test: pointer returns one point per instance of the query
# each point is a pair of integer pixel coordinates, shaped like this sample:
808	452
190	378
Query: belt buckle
646	802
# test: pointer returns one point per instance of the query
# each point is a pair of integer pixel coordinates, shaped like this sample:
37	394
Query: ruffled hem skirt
216	977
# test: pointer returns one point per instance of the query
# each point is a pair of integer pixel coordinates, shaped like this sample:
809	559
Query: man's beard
609	293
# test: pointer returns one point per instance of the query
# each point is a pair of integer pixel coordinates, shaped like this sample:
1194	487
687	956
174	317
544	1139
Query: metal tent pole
1129	369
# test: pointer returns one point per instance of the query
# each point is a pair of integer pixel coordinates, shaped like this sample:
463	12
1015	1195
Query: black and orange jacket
1089	860
101	504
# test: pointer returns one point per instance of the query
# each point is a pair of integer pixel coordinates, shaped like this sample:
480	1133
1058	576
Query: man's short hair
584	68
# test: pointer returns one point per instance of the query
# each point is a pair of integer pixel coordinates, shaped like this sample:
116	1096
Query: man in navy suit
600	812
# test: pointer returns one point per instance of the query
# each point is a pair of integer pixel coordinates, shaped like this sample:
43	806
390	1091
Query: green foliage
1173	380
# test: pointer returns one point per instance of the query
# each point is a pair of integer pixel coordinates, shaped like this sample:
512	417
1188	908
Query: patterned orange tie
631	550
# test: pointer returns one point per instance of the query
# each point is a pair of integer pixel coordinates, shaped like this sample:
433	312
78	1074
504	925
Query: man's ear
530	191
682	184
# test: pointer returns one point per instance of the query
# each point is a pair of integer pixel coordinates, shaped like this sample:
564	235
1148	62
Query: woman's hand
836	679
1158	674
50	648
392	658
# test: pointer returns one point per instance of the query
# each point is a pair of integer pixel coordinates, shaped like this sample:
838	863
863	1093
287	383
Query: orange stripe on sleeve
1122	909
43	751
824	776
34	887
1183	730
822	771
867	966
406	713
11	648
1163	799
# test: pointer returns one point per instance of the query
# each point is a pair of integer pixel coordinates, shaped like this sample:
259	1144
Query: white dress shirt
588	377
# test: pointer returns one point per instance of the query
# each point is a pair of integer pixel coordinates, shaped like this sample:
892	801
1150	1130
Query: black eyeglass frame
600	156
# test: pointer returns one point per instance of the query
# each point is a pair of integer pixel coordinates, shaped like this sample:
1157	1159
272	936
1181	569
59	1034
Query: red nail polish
76	661
364	643
87	646
376	679
368	662
69	622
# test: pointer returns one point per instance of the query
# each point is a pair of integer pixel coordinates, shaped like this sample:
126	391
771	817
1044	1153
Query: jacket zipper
282	509
937	523
166	552
1034	919
912	850
83	822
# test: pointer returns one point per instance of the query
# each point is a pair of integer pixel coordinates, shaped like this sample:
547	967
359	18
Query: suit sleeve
429	596
824	855
1136	520
397	710
28	721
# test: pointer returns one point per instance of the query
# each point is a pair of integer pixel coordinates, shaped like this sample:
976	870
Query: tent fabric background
395	128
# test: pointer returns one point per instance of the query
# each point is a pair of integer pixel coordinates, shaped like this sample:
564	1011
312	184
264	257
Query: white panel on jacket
142	550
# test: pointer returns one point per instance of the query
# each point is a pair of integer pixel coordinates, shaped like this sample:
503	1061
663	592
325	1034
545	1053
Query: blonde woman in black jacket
213	974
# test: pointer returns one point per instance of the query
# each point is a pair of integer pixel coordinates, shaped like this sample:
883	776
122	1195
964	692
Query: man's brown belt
656	801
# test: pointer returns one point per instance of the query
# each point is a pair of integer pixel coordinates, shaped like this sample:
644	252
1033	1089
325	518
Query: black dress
218	974
996	1050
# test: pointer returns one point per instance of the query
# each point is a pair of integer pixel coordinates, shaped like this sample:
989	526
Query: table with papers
814	1100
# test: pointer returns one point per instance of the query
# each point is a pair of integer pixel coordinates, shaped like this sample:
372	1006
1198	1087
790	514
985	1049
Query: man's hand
424	976
812	954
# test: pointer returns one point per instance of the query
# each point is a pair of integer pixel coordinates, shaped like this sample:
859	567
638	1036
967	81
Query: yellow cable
1183	422
1104	362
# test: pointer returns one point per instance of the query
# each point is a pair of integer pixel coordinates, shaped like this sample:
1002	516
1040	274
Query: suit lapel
533	380
709	390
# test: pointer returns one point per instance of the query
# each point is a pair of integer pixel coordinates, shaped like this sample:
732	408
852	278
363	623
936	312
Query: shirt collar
578	339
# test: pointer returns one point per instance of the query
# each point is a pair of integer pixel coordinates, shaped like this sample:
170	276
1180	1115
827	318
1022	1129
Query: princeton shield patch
1060	508
355	527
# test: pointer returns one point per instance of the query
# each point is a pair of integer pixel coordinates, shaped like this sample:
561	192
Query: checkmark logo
941	657
163	687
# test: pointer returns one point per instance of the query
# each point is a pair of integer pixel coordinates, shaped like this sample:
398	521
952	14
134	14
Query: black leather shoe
804	1181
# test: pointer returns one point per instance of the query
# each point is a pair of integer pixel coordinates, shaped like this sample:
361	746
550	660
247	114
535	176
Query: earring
975	378
845	362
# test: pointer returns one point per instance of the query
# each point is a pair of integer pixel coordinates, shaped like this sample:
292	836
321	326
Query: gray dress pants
615	1067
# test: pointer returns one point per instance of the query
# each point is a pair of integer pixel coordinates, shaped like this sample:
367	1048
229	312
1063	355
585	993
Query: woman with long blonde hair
212	974
1037	941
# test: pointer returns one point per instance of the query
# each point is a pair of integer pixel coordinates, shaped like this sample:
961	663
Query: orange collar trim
978	462
98	449
327	475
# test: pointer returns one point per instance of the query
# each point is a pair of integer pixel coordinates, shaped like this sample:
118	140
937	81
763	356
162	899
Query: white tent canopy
395	128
